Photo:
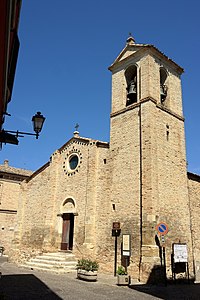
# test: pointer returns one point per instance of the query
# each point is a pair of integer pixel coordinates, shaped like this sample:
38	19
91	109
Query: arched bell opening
131	80
163	86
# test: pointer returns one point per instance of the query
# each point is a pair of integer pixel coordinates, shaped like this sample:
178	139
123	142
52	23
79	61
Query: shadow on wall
24	286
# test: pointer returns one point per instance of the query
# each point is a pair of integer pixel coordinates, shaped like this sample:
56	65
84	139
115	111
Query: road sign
162	228
116	225
162	239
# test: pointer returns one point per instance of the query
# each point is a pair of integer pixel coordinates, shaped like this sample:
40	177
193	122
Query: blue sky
66	48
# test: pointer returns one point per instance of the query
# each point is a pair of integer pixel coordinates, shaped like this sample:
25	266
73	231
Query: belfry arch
163	86
131	81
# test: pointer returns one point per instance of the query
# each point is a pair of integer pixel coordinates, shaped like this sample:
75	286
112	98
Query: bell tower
147	143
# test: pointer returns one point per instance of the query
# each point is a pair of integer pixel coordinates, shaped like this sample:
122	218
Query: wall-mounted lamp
38	121
6	136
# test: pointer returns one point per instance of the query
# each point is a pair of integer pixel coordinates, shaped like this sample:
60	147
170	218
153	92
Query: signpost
162	229
116	232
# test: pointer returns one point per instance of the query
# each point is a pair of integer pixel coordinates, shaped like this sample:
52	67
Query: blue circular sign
162	228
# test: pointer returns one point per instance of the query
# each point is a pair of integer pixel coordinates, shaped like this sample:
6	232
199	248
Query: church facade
138	180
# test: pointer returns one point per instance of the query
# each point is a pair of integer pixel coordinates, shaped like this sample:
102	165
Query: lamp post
6	136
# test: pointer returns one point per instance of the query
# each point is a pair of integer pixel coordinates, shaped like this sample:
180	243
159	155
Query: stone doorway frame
67	223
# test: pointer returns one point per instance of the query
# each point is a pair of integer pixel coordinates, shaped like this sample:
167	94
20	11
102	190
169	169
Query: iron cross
76	126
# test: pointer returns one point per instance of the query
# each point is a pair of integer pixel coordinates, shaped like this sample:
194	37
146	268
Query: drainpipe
140	178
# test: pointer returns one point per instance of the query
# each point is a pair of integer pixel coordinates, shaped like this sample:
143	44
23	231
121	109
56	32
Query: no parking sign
162	228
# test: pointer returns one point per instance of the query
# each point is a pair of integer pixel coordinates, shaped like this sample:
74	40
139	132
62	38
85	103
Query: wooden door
67	232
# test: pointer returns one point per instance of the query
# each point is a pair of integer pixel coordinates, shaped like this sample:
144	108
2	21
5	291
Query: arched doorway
68	211
67	231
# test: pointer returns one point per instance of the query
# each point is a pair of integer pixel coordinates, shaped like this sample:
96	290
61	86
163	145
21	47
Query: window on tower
163	86
131	80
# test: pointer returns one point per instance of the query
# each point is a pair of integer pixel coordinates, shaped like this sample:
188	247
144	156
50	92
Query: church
131	197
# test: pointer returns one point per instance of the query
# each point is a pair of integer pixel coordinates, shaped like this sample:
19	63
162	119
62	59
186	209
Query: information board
126	245
180	253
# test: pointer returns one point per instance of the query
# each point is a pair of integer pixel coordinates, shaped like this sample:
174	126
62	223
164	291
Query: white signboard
180	253
126	245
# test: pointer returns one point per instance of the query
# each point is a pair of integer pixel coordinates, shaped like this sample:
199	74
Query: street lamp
6	136
38	121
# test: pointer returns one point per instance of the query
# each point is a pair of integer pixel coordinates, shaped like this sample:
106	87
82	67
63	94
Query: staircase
60	262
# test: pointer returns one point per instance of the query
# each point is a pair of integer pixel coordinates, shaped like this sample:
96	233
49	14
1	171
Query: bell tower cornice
132	51
133	106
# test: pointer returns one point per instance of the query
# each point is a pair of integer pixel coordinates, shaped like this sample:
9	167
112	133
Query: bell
163	92
132	95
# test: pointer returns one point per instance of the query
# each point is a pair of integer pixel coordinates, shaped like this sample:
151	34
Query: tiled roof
6	168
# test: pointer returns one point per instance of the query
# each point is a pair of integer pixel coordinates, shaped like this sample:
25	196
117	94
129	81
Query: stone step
53	270
54	262
59	254
55	257
50	265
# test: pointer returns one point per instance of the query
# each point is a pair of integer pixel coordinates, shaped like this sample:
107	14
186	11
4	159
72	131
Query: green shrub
87	264
121	271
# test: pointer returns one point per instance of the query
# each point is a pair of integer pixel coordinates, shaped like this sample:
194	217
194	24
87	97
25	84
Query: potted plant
122	276
87	269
